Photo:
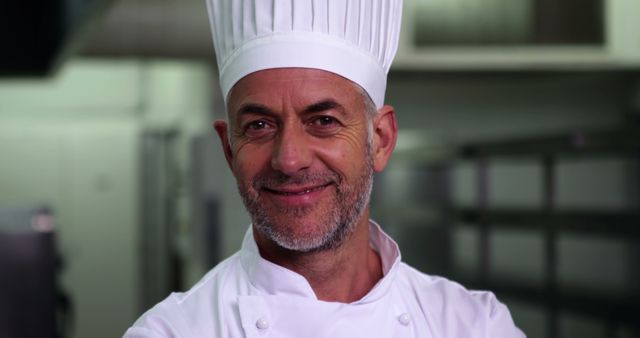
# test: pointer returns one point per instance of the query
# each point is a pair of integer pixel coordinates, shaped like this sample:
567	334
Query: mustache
276	179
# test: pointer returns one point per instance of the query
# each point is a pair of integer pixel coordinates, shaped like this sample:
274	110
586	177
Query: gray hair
370	108
370	111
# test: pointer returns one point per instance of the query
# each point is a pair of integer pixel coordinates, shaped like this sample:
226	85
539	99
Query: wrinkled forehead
280	87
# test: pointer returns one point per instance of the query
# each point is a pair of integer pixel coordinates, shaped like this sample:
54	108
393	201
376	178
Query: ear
222	129
385	135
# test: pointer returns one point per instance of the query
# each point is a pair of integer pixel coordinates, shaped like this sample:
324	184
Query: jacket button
404	319
262	324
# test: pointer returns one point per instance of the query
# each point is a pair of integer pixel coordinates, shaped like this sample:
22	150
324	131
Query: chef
306	129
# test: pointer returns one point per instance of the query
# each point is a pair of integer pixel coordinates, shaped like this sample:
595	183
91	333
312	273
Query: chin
305	234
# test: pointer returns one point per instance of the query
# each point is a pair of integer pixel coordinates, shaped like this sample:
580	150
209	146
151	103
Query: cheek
345	153
248	161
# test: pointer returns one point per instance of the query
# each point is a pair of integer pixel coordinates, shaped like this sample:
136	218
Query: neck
344	274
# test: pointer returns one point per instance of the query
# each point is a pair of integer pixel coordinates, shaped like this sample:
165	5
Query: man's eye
324	121
258	128
257	125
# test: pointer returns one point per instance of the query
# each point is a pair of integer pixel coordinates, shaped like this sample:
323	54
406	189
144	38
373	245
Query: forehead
292	87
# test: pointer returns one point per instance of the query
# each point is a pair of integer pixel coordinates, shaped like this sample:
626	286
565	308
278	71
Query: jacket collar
272	279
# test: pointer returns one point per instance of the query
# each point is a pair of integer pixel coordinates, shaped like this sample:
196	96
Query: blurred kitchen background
517	167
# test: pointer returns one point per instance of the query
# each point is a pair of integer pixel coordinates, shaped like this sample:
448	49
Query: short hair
370	111
370	108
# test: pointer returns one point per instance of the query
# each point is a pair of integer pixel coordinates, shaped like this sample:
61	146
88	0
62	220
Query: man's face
298	147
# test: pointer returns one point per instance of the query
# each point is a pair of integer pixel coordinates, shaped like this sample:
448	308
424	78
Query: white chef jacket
248	296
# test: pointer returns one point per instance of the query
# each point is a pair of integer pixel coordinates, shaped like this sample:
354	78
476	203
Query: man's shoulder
213	281
176	314
435	286
442	291
442	299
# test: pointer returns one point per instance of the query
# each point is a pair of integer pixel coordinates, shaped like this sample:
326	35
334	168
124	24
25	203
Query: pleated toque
356	39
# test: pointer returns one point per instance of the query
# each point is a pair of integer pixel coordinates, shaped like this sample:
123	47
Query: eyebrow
318	107
254	108
324	105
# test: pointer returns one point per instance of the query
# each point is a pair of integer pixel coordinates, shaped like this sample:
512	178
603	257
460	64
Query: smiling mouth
295	191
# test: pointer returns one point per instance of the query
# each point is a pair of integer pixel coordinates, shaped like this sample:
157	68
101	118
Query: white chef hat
356	39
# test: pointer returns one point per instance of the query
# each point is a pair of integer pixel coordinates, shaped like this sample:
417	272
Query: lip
296	196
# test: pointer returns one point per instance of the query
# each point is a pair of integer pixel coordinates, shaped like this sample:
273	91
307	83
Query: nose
291	151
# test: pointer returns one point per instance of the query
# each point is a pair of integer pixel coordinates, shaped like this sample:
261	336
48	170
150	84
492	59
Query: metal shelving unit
615	310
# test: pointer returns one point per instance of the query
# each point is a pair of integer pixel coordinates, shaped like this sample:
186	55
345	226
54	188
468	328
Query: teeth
306	191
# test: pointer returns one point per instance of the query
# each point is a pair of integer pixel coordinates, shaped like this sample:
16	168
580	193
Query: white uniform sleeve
141	332
165	320
500	323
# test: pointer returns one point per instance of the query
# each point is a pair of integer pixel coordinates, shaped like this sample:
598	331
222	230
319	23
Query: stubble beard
334	226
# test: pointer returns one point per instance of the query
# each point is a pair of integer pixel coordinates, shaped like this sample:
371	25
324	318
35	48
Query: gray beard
339	223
